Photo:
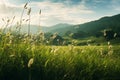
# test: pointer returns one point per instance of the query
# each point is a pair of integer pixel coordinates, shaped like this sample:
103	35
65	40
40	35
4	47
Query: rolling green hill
92	28
97	26
58	28
61	28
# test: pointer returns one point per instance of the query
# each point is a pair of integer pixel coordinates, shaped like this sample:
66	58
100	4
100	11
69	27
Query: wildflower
30	62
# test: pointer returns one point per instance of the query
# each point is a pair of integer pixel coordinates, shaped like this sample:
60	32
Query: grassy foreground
25	62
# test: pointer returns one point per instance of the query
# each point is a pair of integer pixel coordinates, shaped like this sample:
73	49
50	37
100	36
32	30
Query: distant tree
79	34
98	34
55	39
109	34
76	36
68	33
48	35
118	35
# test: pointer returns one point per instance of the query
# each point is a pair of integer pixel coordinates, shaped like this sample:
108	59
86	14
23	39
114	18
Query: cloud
8	9
115	5
52	12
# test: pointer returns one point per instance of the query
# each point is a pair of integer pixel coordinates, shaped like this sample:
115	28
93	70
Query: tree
109	34
55	39
79	34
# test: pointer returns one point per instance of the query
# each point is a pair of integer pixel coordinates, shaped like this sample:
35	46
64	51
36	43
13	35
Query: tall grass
28	13
25	57
58	63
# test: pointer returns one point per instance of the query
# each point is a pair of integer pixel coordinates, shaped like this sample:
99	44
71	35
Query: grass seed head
12	55
108	43
13	17
30	62
29	11
115	34
25	6
40	12
105	33
101	51
110	52
110	47
27	20
3	19
8	20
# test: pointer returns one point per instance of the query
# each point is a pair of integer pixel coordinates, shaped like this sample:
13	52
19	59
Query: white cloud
52	13
115	5
8	10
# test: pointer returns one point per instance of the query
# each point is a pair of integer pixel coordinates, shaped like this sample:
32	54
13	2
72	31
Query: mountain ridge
91	28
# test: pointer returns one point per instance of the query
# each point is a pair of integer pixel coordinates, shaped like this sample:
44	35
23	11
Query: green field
59	40
30	57
38	62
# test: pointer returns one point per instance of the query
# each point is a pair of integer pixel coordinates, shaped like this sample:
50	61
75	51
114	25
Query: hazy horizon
59	11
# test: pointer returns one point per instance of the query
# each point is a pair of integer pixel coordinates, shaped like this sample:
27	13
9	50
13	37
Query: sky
58	11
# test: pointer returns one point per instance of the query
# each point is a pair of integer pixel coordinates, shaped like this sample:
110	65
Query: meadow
29	57
27	60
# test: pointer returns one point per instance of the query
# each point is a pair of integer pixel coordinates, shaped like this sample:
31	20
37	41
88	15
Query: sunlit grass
28	57
59	62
